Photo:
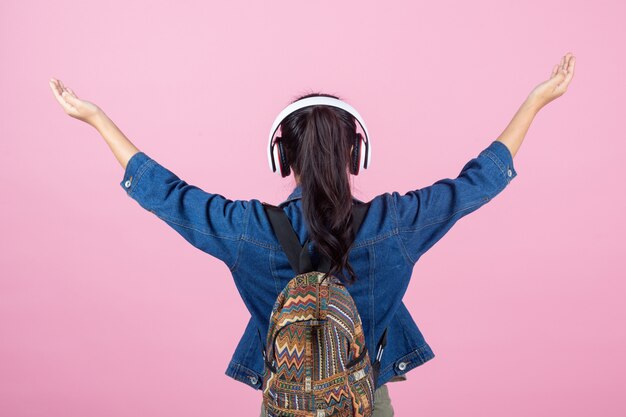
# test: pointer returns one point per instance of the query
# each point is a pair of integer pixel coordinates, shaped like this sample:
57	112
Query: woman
379	259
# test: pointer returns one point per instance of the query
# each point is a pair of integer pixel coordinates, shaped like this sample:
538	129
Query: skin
512	136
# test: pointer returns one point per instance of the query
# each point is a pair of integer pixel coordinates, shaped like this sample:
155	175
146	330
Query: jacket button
509	172
402	366
253	379
127	183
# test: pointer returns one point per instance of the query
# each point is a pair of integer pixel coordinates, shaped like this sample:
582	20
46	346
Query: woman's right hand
557	84
74	106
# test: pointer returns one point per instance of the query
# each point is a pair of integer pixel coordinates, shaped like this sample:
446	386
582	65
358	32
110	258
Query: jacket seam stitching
247	352
262	244
363	243
187	226
372	282
140	171
245	229
496	160
179	222
502	166
414	229
405	330
405	252
239	366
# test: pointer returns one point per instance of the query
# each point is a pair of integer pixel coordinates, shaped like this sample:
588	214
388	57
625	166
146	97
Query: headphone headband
317	101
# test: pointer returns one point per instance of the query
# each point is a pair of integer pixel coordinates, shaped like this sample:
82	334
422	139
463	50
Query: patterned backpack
316	360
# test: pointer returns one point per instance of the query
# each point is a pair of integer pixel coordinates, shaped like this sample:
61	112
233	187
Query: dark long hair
317	142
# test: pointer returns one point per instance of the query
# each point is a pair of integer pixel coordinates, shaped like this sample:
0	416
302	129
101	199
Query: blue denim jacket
396	231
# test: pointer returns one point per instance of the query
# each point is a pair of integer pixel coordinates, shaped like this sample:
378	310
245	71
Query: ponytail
317	141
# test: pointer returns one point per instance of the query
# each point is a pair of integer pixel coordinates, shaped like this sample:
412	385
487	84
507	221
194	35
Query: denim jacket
396	231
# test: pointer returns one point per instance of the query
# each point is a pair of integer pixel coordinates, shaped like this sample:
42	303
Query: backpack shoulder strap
297	254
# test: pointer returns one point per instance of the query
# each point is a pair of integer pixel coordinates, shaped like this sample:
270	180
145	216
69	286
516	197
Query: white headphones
275	153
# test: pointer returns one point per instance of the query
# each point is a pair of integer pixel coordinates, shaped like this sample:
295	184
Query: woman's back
396	231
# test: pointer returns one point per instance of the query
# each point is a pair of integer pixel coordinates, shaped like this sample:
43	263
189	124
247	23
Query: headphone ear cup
356	155
285	170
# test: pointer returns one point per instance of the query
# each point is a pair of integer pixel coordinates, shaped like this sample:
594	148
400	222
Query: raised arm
210	222
542	94
87	112
425	215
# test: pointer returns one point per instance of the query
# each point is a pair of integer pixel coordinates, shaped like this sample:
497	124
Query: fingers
69	97
565	66
56	89
63	88
65	99
571	63
60	90
566	61
66	106
567	69
554	70
72	92
55	86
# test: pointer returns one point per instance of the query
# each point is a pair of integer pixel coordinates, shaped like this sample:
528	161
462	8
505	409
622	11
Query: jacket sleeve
425	215
210	222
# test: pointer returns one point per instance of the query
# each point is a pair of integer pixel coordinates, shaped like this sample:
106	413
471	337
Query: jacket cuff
499	153
136	166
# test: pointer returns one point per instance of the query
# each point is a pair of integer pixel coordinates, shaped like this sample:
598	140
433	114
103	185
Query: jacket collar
297	193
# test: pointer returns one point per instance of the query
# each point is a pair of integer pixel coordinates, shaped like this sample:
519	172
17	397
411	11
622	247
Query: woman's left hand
556	85
74	106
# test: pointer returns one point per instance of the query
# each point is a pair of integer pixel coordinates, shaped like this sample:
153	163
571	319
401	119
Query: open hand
74	106
558	82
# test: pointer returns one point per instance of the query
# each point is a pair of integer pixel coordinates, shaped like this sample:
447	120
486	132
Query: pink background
106	311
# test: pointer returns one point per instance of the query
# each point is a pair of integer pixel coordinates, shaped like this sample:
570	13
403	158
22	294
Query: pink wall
105	311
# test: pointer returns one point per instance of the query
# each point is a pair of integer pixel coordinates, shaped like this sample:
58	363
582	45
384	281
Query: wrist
98	120
533	103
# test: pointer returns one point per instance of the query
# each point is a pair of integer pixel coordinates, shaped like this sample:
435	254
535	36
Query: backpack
315	355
